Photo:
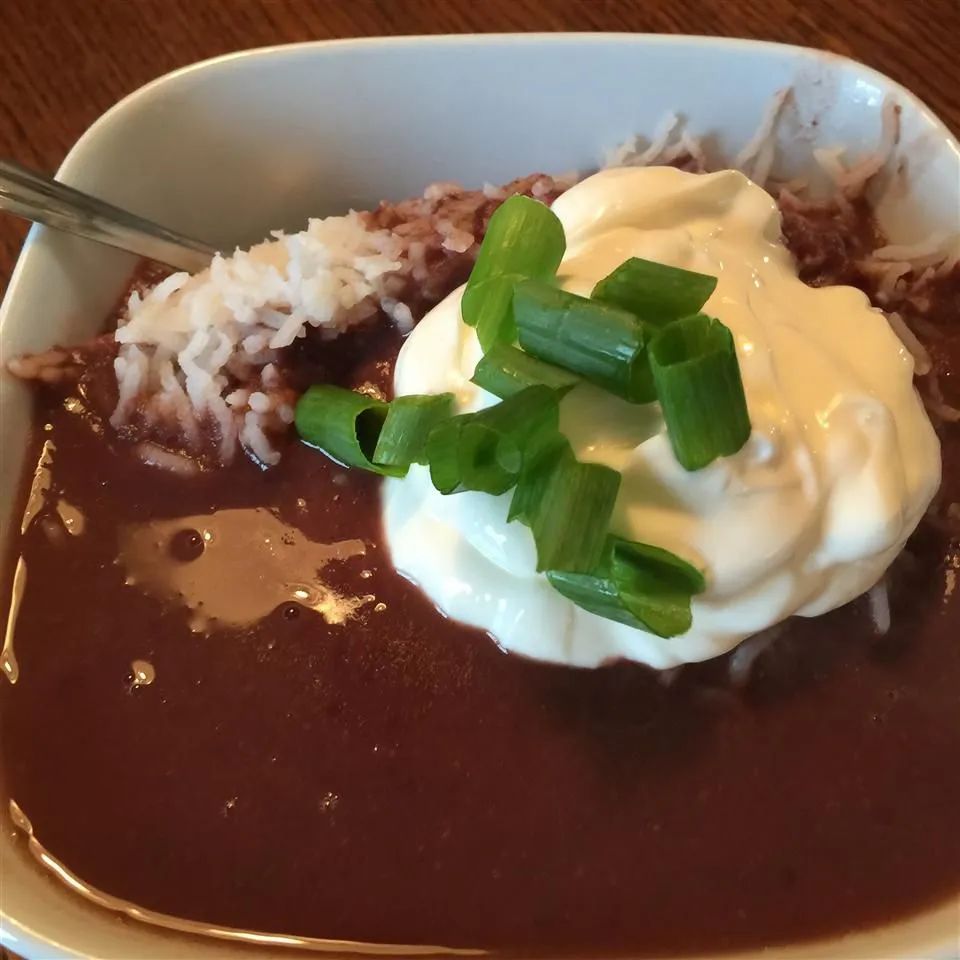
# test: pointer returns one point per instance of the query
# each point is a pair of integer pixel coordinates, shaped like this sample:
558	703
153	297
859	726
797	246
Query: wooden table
66	61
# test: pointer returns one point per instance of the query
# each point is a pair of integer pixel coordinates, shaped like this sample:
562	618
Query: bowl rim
29	942
67	168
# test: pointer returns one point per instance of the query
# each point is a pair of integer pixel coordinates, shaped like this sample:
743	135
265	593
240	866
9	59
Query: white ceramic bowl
233	147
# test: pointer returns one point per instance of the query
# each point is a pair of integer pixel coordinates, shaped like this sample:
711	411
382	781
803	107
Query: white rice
937	248
854	179
828	159
890	274
757	156
399	313
879	599
156	456
922	364
202	347
746	654
630	154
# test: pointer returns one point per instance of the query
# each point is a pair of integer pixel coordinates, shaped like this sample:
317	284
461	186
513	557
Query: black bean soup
230	708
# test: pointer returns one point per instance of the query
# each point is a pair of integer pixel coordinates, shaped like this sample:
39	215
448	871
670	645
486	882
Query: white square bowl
230	148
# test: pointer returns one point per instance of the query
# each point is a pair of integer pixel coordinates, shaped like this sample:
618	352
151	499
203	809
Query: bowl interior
235	147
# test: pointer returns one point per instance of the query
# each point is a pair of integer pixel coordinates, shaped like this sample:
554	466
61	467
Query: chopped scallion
639	338
525	414
485	450
568	505
656	586
697	376
490	303
504	370
640	585
524	237
538	462
466	455
595	592
345	425
409	420
654	292
524	240
601	343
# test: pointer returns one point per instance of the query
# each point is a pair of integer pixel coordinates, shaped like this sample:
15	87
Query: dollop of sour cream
840	466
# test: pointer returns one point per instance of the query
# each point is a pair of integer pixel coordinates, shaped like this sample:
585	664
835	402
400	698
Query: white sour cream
840	466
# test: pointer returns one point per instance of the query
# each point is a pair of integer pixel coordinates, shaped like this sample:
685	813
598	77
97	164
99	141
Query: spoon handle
44	200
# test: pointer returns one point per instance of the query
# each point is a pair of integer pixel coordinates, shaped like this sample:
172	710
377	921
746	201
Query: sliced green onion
632	561
595	592
539	460
656	586
640	585
485	451
524	240
505	370
465	455
409	420
695	368
654	292
345	425
524	415
491	301
604	344
567	505
443	455
524	237
570	525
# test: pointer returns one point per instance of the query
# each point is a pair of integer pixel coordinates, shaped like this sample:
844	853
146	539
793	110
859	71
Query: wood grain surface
63	62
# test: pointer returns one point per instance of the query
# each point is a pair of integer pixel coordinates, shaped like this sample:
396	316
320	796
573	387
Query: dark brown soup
230	708
343	762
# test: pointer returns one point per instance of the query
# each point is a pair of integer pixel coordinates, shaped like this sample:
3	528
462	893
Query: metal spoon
37	197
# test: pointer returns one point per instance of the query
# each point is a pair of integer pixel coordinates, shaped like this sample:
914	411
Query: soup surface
230	708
